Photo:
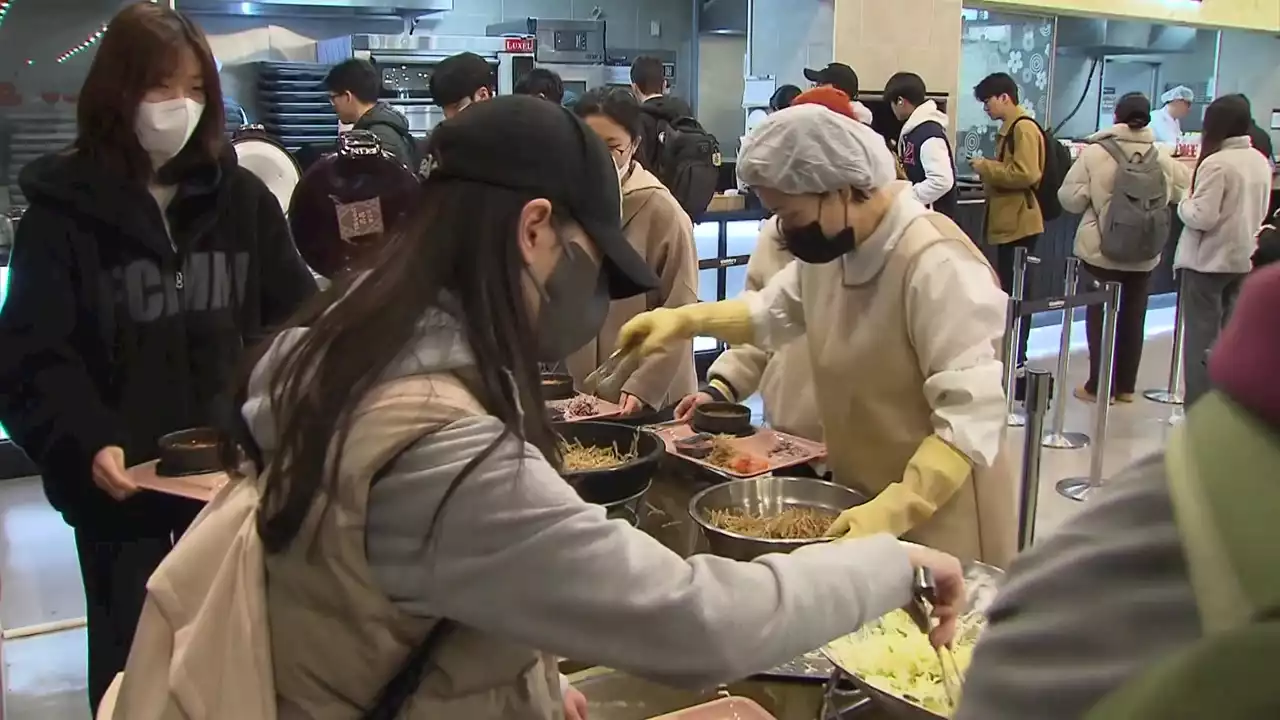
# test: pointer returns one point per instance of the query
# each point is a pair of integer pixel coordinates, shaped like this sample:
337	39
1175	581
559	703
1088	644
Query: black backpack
1057	161
688	163
414	145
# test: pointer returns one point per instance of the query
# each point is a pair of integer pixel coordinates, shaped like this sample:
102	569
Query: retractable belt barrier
1079	488
1038	382
1013	332
1172	393
1057	438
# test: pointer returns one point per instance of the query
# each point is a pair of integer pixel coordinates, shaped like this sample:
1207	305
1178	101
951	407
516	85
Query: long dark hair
140	48
1133	109
457	254
1226	117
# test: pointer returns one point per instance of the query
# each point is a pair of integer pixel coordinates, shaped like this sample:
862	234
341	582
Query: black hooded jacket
392	129
116	332
656	110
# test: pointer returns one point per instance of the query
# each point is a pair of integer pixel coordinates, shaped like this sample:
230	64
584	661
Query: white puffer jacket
1090	183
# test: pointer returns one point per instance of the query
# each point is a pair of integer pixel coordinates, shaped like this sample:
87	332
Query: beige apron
871	395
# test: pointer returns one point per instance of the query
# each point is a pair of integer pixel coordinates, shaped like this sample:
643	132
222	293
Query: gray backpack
1135	226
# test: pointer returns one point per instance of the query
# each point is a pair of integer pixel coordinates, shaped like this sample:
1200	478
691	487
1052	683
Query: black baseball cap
458	77
838	76
525	143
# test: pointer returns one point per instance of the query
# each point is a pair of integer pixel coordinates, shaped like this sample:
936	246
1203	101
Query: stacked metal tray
295	105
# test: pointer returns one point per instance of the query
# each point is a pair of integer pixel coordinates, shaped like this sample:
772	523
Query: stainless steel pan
982	583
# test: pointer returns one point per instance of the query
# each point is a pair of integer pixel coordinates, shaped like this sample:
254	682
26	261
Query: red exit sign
519	44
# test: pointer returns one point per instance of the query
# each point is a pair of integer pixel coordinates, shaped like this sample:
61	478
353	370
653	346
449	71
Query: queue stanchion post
1057	438
1013	333
1038	392
1079	488
1172	393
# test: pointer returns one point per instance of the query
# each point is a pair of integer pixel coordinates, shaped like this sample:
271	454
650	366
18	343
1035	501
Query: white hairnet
1182	92
809	149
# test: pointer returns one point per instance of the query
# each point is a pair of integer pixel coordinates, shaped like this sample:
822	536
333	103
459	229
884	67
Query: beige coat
784	379
1009	181
662	233
1223	213
314	637
872	395
1090	183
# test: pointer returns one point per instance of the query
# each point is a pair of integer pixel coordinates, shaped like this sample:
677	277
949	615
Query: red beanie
828	97
1245	362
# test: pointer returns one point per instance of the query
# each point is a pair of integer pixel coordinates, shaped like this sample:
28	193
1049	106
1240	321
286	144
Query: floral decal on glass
991	42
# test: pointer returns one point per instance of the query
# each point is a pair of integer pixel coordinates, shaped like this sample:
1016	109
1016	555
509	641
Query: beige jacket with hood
662	233
1090	183
784	379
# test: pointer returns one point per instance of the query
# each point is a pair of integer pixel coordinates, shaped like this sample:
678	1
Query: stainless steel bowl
765	496
982	584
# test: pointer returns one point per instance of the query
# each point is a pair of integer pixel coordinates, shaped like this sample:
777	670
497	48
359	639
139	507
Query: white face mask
164	127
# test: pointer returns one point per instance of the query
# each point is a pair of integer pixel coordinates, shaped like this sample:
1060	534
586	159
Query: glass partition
724	246
992	42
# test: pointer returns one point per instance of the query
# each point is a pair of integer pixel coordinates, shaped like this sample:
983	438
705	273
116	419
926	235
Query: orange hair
828	97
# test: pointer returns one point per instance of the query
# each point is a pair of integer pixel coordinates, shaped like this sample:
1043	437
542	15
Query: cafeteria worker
903	318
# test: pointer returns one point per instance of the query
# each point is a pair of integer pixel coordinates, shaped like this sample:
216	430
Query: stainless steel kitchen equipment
982	583
296	111
766	495
618	65
572	48
407	62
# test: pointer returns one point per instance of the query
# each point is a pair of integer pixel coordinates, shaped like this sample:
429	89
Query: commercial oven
618	65
574	49
407	62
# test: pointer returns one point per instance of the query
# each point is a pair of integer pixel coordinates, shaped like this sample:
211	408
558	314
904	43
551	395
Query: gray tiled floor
44	675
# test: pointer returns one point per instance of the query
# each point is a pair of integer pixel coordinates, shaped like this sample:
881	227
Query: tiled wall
881	38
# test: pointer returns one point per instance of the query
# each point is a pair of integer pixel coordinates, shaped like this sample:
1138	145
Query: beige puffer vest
336	639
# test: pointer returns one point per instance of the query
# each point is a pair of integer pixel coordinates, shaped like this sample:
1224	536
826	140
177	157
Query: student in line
843	78
542	83
146	264
1230	195
923	146
1089	190
1009	180
461	81
353	86
661	233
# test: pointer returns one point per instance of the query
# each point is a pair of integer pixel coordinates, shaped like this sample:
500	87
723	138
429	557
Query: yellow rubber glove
933	475
650	332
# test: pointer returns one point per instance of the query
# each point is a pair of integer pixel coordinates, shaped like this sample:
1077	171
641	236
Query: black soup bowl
610	486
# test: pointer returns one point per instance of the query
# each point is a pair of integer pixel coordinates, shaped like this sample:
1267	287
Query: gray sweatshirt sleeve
518	554
1087	608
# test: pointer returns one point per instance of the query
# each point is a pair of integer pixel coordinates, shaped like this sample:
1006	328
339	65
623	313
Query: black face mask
811	245
575	301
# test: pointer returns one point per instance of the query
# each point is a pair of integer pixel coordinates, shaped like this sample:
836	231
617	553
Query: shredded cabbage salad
893	655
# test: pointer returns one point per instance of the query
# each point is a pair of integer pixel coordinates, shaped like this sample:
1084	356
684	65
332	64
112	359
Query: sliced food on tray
894	656
740	455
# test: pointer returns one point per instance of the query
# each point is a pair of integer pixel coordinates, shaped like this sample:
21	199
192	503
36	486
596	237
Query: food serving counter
793	691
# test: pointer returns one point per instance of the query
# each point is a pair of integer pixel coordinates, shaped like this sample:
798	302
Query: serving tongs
924	597
606	381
